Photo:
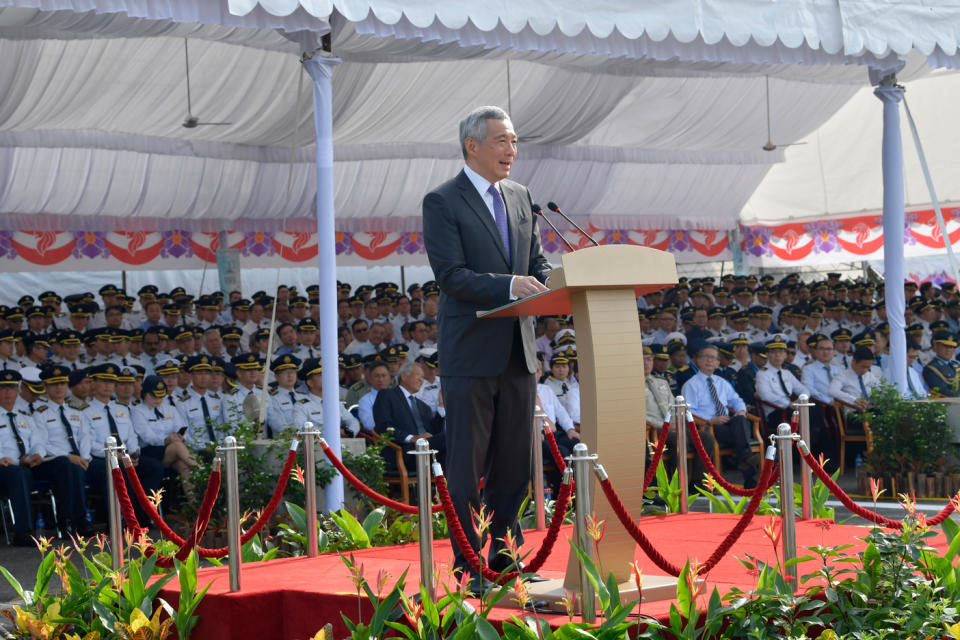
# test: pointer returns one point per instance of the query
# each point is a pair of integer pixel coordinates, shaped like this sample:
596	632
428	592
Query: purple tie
500	213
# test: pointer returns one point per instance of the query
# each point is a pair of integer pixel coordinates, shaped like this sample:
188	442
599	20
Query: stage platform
291	598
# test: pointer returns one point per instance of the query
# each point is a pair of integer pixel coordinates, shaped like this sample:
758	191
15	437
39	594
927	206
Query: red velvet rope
712	470
367	491
794	421
634	529
835	489
558	460
655	460
203	518
457	533
218	552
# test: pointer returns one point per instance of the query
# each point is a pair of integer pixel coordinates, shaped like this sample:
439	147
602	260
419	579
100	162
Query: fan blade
215	123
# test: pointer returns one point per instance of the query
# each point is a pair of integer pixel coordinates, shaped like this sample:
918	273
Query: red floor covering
291	598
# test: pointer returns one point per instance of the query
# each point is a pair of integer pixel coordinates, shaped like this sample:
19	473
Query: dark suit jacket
470	264
391	409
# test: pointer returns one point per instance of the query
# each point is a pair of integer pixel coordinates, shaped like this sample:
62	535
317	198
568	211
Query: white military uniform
310	408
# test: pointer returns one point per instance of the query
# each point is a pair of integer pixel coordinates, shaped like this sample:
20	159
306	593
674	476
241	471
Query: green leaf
16	585
485	630
373	520
351	528
685	599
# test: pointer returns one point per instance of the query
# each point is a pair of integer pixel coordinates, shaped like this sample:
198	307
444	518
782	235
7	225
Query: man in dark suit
481	238
410	417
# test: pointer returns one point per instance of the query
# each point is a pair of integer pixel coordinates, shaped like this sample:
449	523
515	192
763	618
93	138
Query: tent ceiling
91	106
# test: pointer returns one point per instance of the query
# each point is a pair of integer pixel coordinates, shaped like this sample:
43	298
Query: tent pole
893	216
933	191
403	279
319	64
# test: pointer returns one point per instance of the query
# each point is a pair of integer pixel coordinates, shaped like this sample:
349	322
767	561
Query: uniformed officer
942	374
161	428
558	381
430	391
17	456
201	405
310	406
249	369
108	418
8	362
64	439
283	398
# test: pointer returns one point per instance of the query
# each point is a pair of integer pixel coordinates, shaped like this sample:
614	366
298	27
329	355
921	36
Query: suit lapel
512	202
479	208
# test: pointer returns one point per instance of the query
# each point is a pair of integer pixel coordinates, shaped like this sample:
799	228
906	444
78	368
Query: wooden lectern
600	286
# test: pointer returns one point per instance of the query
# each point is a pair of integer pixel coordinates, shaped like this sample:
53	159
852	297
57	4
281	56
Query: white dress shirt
846	386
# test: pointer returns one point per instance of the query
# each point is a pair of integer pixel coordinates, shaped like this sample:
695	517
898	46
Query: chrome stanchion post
539	424
582	462
113	505
803	405
229	451
785	439
309	433
680	455
424	455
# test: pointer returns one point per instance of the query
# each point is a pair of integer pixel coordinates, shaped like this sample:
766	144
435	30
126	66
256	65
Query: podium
600	286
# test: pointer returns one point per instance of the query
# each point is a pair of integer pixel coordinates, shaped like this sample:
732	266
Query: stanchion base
551	591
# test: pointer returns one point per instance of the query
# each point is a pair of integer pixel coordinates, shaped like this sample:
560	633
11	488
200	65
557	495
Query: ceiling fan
770	146
192	121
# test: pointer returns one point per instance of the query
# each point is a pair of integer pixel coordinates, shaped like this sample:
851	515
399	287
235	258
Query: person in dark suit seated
942	374
410	417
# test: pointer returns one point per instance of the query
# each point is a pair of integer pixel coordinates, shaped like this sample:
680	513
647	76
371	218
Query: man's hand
720	420
573	435
80	462
31	460
6	462
524	286
863	402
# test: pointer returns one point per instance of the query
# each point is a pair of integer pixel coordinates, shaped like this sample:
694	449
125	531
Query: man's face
172	381
124	390
493	158
668	321
185	345
403	306
371	309
419	333
413	379
431	305
361	331
700	318
6	349
307	338
114	318
843	346
212	342
286	379
376	334
776	357
707	361
288	336
647	364
678	358
824	351
560	371
256	313
154	312
860	367
57	392
103	389
379	378
8	395
912	356
200	380
248	377
660	365
232	345
943	351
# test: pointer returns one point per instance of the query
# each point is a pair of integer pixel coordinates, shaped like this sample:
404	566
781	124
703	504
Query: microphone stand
537	209
553	207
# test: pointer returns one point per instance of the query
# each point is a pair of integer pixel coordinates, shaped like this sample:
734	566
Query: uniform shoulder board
356	386
40	408
303	400
233	391
76	403
273	392
134	402
215	396
184	396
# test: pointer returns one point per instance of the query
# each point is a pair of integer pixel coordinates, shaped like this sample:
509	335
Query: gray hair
407	367
475	125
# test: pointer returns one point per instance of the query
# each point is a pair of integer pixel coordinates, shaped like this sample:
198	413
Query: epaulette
80	406
76	403
233	391
40	408
303	400
134	402
273	392
214	396
184	396
356	386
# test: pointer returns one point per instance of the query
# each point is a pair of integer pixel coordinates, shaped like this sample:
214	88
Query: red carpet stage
290	599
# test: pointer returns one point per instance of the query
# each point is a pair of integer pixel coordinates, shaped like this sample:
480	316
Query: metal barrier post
785	439
113	505
425	514
680	455
803	404
539	424
308	433
582	462
229	451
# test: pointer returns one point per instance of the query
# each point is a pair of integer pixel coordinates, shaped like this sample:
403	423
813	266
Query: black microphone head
553	206
537	209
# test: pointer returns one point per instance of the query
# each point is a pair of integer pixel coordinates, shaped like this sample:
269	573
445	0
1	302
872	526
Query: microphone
553	207
537	209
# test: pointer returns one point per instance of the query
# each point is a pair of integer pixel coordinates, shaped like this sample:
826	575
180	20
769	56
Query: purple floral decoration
615	236
824	234
90	244
756	240
6	247
176	244
551	242
411	243
679	241
909	219
344	242
258	243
